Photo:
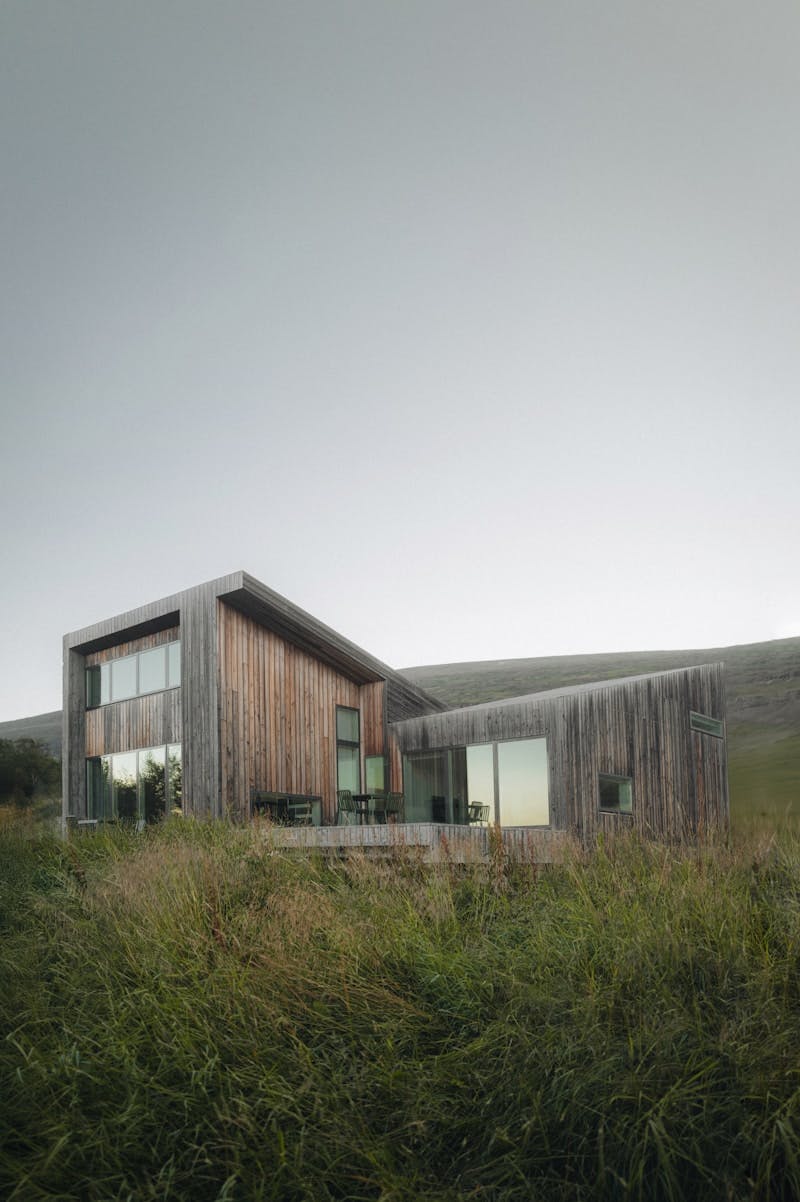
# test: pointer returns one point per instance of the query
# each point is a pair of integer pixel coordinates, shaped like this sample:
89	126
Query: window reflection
440	784
522	770
152	670
135	786
152	783
123	785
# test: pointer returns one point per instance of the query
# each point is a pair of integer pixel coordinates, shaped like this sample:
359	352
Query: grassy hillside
189	1015
763	686
45	728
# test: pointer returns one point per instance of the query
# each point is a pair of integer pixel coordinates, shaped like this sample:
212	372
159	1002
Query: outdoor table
364	800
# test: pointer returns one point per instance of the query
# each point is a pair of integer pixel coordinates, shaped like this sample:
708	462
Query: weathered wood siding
637	728
130	646
148	721
277	715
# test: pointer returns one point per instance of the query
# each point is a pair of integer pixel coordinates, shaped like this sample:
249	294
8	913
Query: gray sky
471	328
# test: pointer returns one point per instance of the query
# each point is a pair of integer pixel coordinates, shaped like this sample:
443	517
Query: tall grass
192	1014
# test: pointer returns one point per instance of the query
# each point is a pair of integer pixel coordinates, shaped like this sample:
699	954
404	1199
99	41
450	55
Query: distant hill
763	690
763	685
44	727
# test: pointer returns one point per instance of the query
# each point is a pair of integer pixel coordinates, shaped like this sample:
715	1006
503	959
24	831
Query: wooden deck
437	840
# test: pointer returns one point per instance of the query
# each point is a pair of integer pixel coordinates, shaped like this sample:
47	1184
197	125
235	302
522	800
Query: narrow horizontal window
149	671
706	725
616	794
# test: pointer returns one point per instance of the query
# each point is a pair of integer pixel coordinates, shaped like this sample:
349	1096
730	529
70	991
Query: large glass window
480	776
152	670
123	678
152	783
375	768
135	786
522	782
426	786
175	781
147	671
510	778
124	800
348	749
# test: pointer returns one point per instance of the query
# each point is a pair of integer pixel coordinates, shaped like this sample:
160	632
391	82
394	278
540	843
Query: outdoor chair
347	805
395	805
478	812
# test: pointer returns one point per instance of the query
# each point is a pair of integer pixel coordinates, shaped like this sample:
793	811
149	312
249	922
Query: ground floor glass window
507	780
135	786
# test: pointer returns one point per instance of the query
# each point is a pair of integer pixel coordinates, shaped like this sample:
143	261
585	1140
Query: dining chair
395	805
477	811
348	805
345	805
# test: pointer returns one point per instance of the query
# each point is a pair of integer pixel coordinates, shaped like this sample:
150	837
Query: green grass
189	1014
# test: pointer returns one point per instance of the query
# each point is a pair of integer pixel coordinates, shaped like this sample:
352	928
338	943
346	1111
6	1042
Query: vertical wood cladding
277	715
149	721
637	728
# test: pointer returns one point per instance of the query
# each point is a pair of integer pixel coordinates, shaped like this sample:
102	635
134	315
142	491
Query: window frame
618	779
94	674
100	770
702	724
348	743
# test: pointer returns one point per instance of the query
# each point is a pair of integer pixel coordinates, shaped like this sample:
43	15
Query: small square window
616	794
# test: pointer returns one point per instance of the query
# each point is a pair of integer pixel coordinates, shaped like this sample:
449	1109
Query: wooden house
207	699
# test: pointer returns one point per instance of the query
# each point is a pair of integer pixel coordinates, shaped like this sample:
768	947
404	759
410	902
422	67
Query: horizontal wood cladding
149	721
637	728
277	714
130	646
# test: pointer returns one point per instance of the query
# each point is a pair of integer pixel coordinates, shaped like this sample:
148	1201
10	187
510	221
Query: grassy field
763	688
187	1014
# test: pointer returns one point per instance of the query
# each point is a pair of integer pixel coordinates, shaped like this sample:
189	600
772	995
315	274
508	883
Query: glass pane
97	788
174	656
175	781
347	725
348	775
123	678
152	670
480	776
522	768
93	686
458	784
616	794
376	773
105	684
123	782
425	786
152	783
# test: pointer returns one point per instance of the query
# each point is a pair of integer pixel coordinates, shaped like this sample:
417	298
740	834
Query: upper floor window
147	671
348	749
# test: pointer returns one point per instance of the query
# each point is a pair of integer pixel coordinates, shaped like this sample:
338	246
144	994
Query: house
193	702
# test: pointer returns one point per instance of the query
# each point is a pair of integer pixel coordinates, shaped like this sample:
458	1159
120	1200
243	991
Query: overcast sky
471	328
